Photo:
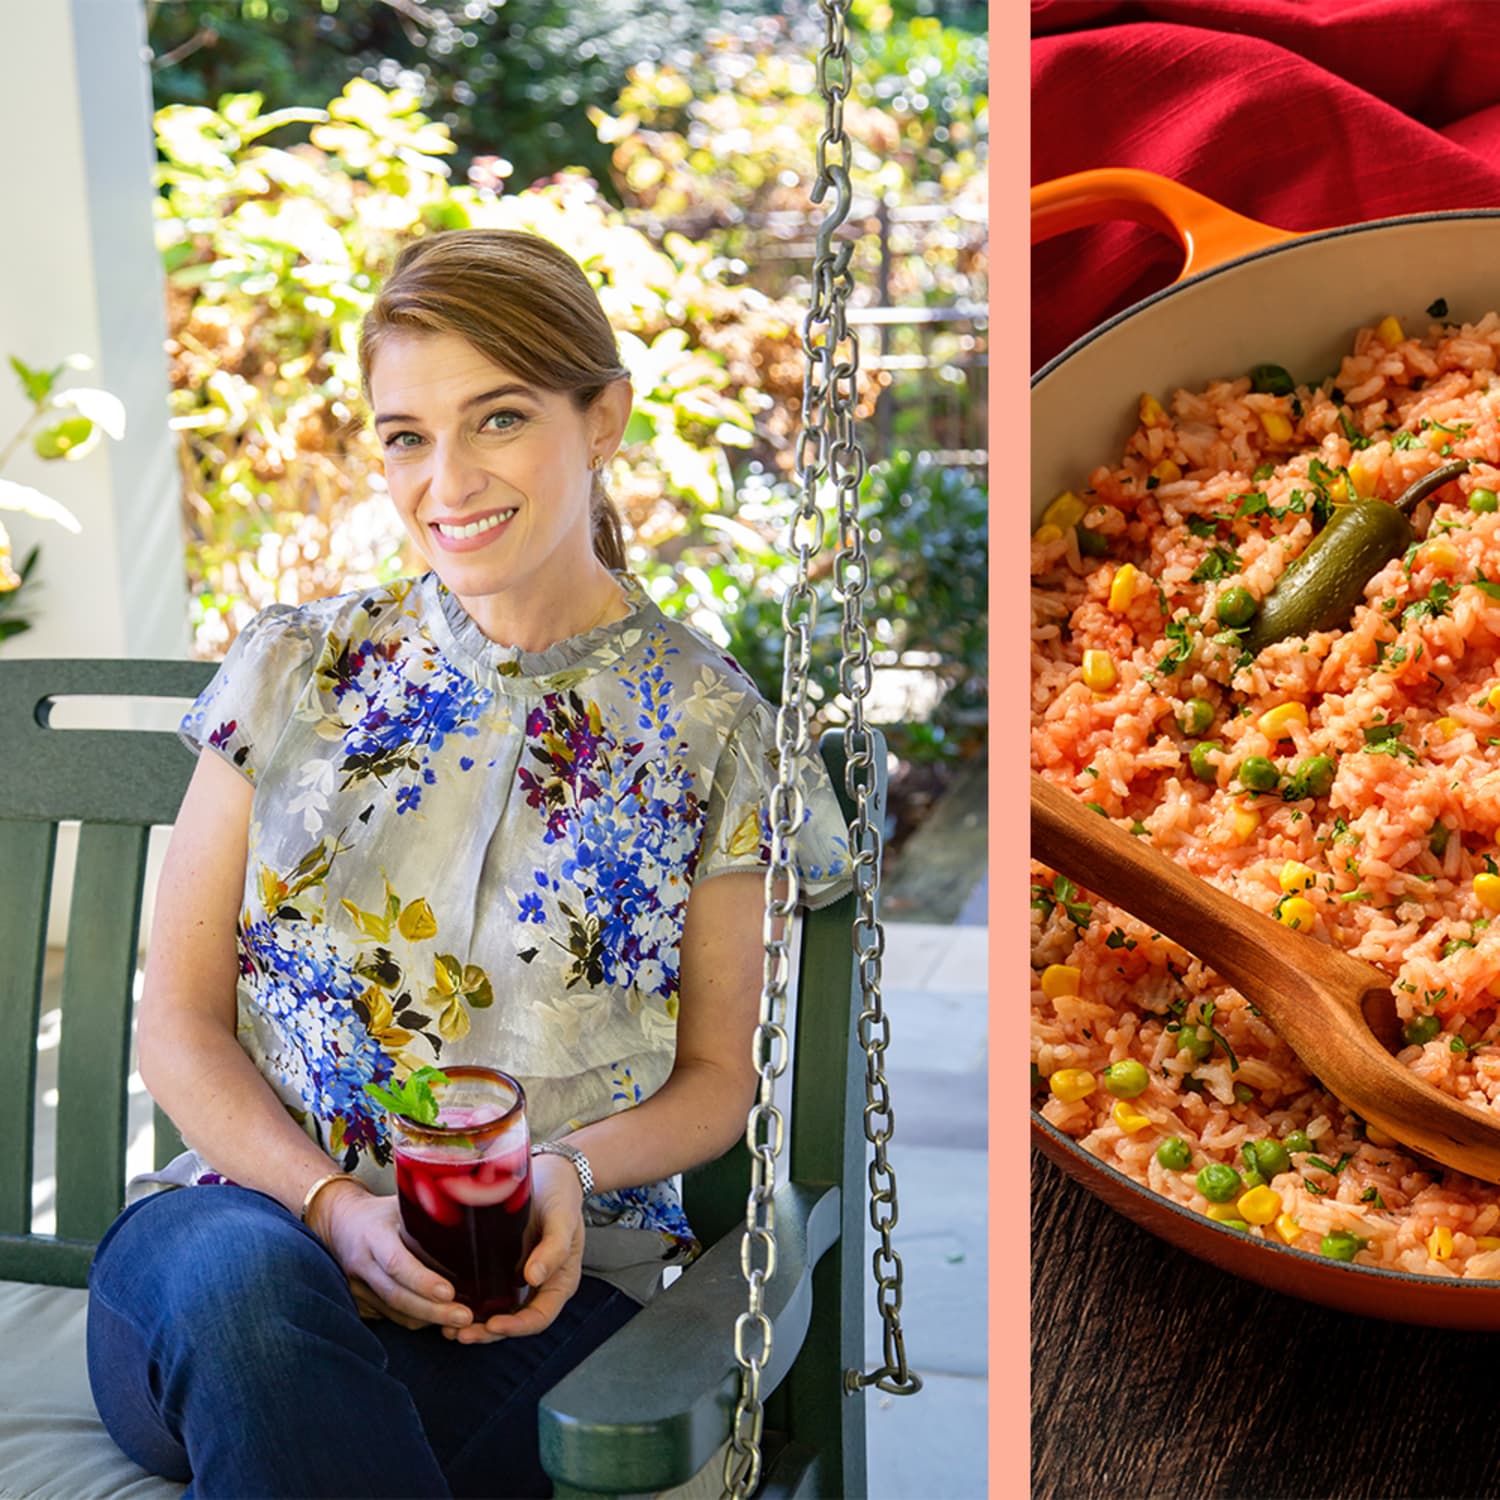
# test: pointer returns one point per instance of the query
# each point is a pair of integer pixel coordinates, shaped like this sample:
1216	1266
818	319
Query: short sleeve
250	699
737	829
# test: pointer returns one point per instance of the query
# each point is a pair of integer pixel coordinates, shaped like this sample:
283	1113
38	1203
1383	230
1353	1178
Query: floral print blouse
463	852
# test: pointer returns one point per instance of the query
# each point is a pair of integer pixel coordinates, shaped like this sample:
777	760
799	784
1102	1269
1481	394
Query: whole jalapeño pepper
1319	589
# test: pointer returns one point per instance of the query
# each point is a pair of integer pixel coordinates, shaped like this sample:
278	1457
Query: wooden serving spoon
1336	1012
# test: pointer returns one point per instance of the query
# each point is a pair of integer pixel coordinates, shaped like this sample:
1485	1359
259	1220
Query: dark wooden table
1153	1374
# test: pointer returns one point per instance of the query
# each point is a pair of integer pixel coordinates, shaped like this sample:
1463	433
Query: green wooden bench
607	1428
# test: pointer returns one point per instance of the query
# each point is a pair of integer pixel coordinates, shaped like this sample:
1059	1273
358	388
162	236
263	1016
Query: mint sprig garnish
413	1099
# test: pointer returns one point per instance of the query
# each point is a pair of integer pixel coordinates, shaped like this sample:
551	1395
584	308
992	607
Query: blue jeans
225	1347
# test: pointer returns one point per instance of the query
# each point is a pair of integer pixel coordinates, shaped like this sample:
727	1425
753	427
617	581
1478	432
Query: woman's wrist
321	1198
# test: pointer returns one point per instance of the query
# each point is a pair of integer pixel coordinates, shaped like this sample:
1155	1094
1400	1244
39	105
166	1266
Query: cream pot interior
1296	305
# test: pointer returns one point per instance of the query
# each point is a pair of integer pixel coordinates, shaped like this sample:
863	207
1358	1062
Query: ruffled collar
513	670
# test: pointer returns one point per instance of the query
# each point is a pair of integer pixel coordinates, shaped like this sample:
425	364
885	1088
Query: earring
596	463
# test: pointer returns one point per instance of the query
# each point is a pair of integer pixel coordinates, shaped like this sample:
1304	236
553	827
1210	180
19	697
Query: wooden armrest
649	1407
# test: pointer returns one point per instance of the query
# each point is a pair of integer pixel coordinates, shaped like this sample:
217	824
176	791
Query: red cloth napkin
1301	113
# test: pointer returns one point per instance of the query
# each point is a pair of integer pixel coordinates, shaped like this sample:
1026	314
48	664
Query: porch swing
761	1340
650	1408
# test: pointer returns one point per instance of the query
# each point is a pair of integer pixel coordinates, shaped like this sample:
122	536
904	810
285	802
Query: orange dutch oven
1247	294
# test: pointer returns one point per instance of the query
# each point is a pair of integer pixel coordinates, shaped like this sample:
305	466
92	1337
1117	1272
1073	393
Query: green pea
1126	1078
1296	1140
1197	715
1484	501
1175	1154
1203	768
1341	1245
1437	840
1219	1183
1271	1157
1271	380
1092	543
1314	776
1236	607
1420	1030
1243	1093
1198	1044
1259	774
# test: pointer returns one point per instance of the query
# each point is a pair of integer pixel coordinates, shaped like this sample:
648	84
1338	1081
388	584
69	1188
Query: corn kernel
1440	1243
1153	413
1447	727
1276	723
1128	1118
1376	1136
1260	1205
1047	534
1297	913
1244	821
1167	472
1221	1212
1338	490
1067	510
1296	876
1288	1228
1486	1242
1494	698
1099	671
1487	888
1440	555
1277	427
1362	478
1122	588
1060	979
1388	331
1070	1084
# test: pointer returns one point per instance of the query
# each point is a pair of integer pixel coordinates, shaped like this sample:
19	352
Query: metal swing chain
827	441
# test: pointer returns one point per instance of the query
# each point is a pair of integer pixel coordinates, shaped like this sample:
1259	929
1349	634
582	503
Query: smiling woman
505	500
506	814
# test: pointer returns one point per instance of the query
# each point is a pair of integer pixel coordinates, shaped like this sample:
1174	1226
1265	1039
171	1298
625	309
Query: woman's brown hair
521	302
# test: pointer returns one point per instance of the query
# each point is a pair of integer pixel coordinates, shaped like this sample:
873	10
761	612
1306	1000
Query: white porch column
79	272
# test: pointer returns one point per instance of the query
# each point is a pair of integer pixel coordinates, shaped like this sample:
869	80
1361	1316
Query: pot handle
1208	232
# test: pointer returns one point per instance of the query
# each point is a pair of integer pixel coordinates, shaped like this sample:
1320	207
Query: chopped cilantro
1486	586
1356	439
1404	440
1253	504
1063	893
1206	1020
1202	525
1181	648
1265	471
1438	309
1221	560
1435	604
1117	939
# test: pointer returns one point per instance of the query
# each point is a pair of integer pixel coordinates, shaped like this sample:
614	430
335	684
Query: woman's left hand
554	1267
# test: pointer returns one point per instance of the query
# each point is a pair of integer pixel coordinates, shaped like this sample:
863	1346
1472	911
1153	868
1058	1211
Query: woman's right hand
363	1232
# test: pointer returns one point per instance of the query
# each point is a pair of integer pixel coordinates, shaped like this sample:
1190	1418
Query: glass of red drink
464	1185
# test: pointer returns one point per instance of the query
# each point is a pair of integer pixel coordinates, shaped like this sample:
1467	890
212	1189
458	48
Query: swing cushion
52	1443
